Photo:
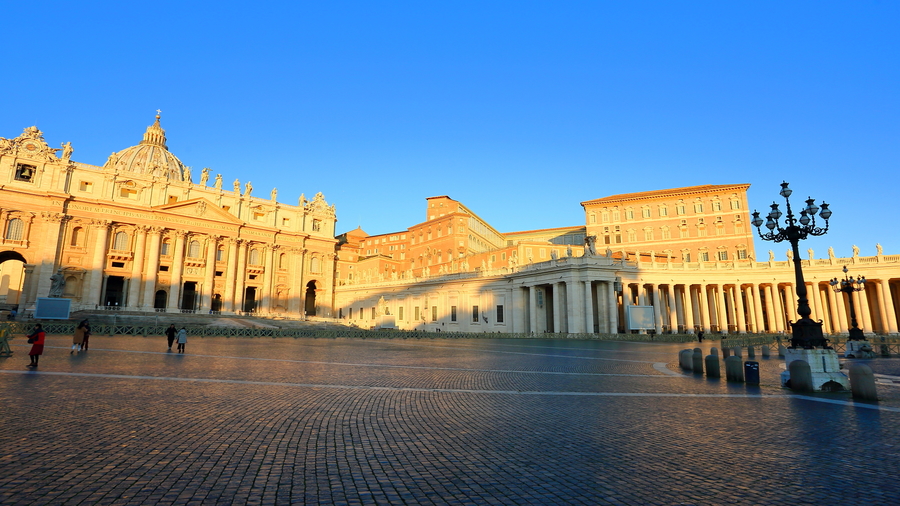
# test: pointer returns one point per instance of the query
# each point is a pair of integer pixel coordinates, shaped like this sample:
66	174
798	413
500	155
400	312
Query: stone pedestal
385	322
859	349
823	364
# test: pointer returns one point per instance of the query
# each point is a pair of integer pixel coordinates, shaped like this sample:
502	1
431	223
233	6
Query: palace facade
137	234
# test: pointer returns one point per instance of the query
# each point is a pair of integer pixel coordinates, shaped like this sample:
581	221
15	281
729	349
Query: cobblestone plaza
428	421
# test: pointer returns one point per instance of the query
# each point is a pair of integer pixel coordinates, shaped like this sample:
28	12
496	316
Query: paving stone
427	421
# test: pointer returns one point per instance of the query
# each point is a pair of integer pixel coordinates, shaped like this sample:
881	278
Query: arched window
282	261
164	248
77	236
120	241
220	254
14	229
254	257
194	249
315	265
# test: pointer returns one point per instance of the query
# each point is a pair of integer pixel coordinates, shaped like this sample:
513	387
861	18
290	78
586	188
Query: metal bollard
862	382
712	365
697	361
685	360
734	369
801	376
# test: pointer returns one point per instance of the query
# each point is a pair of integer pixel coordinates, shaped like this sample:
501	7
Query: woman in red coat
37	348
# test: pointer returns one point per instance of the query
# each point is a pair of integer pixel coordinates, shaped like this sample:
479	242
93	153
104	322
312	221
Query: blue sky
521	110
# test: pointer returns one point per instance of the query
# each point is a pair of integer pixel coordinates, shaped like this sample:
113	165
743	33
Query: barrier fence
883	344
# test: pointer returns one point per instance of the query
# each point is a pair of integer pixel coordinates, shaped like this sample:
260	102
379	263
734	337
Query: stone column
47	248
532	309
758	309
657	309
843	317
704	308
688	301
230	274
815	301
832	319
240	275
269	260
778	307
791	301
29	288
613	305
721	294
574	309
517	315
177	269
588	308
887	306
209	278
133	302
151	273
739	309
557	327
297	284
862	311
98	263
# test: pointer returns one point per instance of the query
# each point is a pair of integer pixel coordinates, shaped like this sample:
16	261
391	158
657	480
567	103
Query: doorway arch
12	278
310	307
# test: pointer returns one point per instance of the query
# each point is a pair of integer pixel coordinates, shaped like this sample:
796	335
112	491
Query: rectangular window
629	214
350	316
735	204
543	253
663	211
285	222
163	268
434	313
416	313
474	314
704	256
25	172
680	209
698	208
373	313
118	264
686	257
500	314
220	255
400	313
717	206
173	199
645	213
742	254
219	274
723	255
86	186
452	313
128	193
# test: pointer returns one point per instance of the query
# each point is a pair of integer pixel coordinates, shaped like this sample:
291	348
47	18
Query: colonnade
763	307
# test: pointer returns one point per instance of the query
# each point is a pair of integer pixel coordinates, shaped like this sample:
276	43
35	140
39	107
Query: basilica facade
137	233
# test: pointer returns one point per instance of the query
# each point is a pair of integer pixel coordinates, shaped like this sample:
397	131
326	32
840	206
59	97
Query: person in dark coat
700	336
36	338
87	333
170	335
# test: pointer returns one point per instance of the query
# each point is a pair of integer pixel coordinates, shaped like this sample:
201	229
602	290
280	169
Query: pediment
199	208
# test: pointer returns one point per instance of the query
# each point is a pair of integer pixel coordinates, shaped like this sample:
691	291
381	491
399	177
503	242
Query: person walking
170	335
78	338
182	339
87	333
700	336
36	338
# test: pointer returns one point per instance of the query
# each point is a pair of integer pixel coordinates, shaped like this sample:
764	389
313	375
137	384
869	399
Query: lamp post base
824	368
807	334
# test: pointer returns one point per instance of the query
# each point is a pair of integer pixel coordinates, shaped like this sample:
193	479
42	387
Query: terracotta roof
687	190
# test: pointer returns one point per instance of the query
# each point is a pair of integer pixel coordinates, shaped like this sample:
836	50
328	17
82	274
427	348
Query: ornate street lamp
849	285
806	332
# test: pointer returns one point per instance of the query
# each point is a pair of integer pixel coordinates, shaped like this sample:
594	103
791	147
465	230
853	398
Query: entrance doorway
216	302
189	297
114	291
250	299
310	299
12	277
159	301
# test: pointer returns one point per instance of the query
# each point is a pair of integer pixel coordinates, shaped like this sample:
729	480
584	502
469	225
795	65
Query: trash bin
751	372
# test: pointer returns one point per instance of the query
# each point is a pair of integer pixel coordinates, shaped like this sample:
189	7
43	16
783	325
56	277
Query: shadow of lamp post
849	285
806	333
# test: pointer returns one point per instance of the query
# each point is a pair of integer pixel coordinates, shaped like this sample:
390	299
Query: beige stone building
138	233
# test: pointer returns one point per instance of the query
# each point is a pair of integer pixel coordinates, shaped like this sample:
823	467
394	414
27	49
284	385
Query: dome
150	157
